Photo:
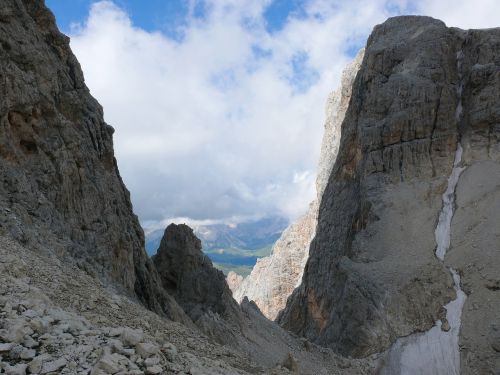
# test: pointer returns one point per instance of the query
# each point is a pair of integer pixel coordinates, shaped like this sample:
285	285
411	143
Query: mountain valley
394	269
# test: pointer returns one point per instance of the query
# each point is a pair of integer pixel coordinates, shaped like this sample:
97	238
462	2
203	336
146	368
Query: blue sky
149	15
165	15
219	105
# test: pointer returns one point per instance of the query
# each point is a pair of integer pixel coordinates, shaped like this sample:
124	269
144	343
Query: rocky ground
57	319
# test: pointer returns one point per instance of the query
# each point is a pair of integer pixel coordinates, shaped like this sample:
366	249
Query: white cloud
218	124
465	14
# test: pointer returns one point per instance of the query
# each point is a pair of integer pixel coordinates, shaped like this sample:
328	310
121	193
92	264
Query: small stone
128	352
108	364
114	332
30	314
35	366
19	369
151	361
15	352
53	366
6	347
115	345
170	351
18	332
29	342
39	325
28	353
90	332
131	337
153	370
446	325
98	371
146	349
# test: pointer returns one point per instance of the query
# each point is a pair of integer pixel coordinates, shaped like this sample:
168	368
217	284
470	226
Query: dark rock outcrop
372	275
189	276
60	187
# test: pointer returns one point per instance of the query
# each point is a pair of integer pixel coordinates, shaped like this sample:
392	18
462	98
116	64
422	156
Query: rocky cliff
274	278
77	292
401	196
60	187
403	265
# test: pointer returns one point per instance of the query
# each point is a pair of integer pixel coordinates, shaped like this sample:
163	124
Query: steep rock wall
60	187
372	275
200	289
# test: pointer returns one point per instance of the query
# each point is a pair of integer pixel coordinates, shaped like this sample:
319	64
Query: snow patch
434	352
443	229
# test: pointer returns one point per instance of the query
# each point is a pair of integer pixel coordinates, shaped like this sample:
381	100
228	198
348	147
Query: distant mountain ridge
232	245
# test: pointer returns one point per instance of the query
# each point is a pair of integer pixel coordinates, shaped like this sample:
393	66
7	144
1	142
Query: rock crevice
274	278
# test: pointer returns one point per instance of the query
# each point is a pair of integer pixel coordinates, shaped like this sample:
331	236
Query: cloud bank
224	120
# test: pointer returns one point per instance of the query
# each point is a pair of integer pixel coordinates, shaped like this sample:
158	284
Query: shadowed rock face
372	275
189	276
60	187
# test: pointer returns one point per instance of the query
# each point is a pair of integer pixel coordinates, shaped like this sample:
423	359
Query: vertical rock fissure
437	351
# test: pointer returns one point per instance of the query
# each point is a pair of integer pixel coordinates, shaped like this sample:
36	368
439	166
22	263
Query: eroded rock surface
61	189
56	318
372	275
274	278
72	259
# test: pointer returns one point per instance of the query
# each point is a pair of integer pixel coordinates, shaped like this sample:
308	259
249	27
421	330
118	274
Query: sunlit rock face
373	274
275	277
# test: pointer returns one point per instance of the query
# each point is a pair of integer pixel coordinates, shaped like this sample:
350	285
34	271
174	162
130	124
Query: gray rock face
60	187
274	278
372	275
189	276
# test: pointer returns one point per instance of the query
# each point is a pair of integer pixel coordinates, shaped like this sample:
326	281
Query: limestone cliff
404	262
60	187
75	280
424	91
274	278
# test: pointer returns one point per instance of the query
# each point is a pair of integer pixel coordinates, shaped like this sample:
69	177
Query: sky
219	105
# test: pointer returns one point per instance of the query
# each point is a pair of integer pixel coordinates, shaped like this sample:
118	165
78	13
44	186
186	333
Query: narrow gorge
394	269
